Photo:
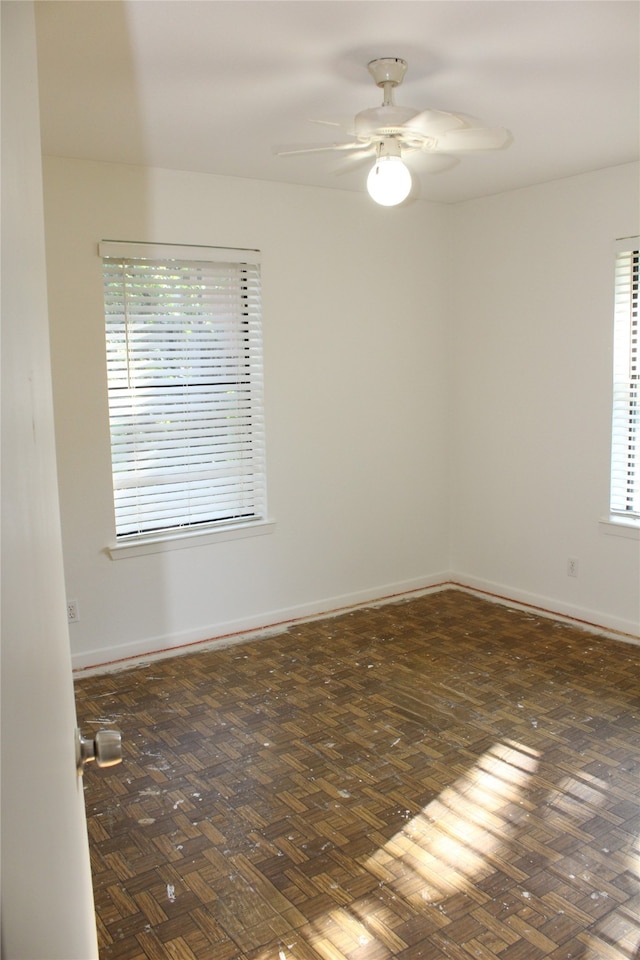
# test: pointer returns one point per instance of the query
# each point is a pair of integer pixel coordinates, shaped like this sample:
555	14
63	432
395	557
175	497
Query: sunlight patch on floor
458	838
462	836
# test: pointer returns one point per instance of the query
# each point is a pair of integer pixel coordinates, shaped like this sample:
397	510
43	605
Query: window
625	458
184	366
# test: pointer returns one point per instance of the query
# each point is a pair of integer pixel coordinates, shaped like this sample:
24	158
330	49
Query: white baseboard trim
124	656
593	620
132	654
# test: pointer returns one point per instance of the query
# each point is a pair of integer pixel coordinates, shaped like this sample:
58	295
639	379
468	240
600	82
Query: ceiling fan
392	134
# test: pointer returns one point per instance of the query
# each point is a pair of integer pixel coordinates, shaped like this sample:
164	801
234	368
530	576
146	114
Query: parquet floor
437	778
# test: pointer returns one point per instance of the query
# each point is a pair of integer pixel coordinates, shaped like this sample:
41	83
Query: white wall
47	903
356	399
531	333
403	348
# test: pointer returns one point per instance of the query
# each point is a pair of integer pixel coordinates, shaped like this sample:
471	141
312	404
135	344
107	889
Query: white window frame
624	506
185	378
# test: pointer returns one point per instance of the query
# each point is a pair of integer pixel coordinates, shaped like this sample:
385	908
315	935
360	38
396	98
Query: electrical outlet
572	567
73	611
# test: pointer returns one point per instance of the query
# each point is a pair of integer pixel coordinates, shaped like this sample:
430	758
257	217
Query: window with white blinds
184	364
625	457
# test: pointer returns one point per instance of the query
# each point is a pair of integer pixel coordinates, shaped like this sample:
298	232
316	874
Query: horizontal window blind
184	365
625	457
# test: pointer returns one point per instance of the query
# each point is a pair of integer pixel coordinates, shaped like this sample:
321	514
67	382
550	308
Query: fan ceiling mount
387	70
397	133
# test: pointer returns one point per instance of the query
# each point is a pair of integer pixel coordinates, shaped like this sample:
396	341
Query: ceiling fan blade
295	149
433	123
473	138
344	123
354	159
423	162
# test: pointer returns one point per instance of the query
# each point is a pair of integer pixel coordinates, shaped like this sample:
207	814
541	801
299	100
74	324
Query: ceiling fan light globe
389	181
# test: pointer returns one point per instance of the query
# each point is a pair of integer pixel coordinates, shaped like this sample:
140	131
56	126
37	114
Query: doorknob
105	749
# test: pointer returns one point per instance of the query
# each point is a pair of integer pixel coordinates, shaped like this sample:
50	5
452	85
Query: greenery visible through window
184	365
625	459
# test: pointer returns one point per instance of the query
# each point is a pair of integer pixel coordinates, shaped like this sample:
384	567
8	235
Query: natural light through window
474	828
458	838
461	835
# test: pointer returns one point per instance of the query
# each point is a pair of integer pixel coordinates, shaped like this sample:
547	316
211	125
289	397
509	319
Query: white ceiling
214	85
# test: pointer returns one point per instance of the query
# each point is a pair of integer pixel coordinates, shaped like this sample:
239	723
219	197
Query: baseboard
593	620
252	628
122	656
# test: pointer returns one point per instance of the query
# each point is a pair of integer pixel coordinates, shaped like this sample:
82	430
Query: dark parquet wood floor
442	777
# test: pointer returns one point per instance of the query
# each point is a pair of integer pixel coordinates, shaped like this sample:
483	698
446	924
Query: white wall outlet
572	567
73	611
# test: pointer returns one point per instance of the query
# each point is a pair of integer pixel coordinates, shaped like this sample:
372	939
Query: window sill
139	546
620	527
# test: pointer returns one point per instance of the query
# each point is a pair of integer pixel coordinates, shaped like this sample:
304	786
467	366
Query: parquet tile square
441	777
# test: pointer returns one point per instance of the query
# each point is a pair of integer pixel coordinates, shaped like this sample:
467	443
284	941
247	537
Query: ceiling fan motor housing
387	120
